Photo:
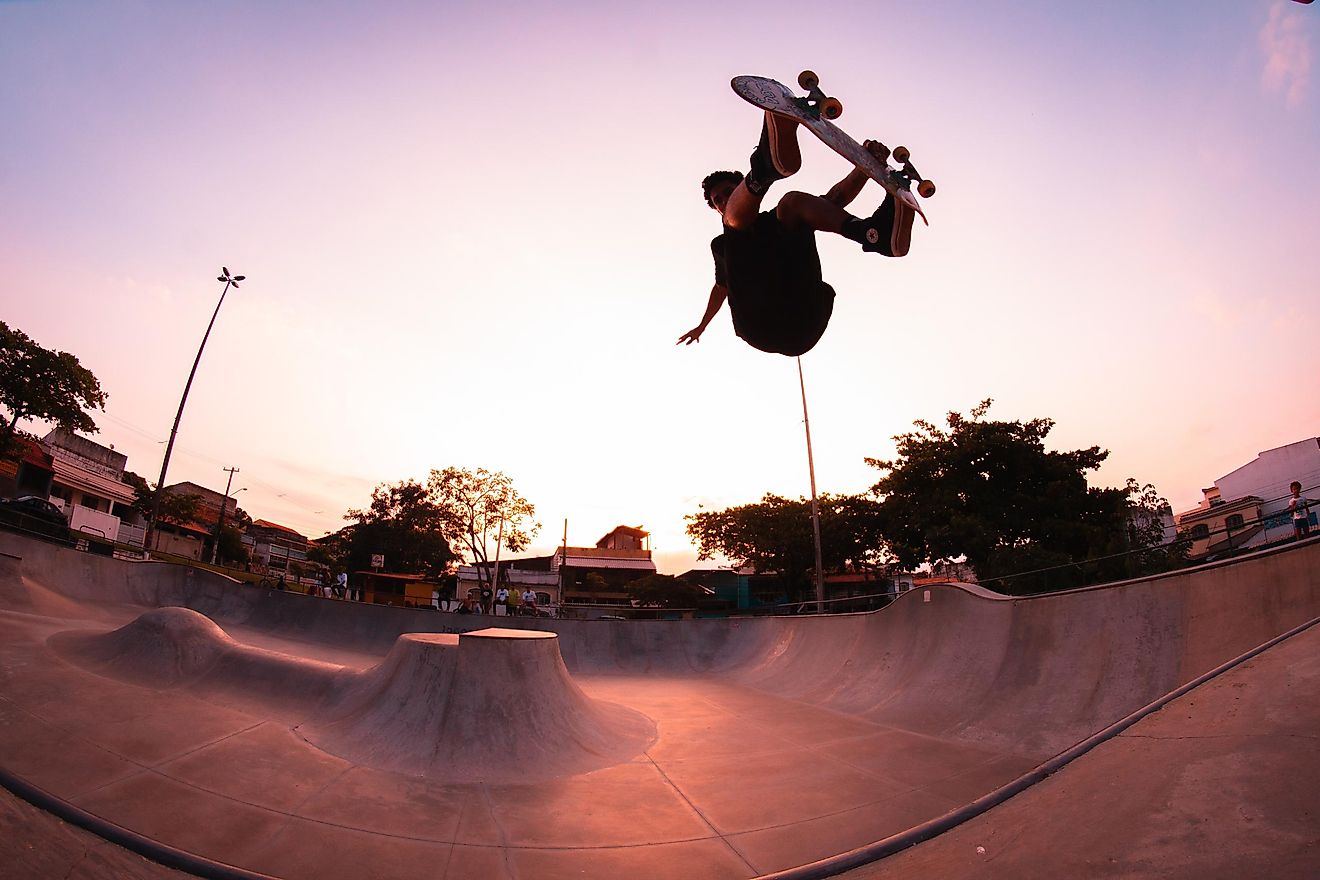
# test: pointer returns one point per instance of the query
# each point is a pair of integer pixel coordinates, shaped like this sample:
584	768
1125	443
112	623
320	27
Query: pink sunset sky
473	232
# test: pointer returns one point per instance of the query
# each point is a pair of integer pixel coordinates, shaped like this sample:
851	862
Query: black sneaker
889	230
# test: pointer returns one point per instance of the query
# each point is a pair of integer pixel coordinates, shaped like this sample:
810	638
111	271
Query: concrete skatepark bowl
242	732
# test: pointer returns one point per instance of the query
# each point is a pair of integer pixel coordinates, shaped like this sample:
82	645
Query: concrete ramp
174	647
705	748
24	595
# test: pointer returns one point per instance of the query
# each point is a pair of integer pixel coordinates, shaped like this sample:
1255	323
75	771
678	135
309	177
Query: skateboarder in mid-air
766	263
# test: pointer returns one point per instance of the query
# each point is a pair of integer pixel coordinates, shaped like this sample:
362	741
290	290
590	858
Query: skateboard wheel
926	189
808	79
901	154
831	108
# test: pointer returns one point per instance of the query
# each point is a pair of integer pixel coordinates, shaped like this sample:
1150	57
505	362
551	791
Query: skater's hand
718	293
877	149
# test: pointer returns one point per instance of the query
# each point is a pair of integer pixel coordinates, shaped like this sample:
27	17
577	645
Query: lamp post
815	508
230	281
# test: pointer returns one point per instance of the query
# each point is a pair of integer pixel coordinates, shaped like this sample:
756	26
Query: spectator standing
502	600
1299	506
341	585
486	597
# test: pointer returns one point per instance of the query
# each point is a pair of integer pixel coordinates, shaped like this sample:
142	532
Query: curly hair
715	178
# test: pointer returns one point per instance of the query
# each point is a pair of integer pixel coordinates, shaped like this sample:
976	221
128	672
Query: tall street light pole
815	508
230	281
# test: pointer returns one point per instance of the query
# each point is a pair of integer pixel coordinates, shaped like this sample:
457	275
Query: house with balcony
586	576
275	549
598	575
87	482
1222	525
193	539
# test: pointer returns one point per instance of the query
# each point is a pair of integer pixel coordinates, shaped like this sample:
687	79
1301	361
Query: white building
89	485
1273	470
1248	507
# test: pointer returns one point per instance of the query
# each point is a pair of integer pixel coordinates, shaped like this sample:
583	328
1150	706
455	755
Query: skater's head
1295	488
718	186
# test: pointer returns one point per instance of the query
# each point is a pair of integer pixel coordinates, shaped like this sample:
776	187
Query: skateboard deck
768	94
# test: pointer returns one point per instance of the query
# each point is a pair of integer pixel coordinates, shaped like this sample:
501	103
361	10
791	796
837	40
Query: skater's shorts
776	296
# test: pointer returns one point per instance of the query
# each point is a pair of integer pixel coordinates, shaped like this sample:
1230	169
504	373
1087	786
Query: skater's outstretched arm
718	294
843	192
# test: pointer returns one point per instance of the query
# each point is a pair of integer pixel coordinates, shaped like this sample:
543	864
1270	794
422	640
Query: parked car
35	515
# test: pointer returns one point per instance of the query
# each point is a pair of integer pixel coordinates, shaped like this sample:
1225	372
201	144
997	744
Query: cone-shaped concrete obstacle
492	705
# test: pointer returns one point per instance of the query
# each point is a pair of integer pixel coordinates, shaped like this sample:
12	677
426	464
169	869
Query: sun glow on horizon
472	239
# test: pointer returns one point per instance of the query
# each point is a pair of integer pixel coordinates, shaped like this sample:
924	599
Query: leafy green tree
231	547
664	591
482	512
331	552
176	507
1021	515
1149	516
776	535
141	493
41	383
403	524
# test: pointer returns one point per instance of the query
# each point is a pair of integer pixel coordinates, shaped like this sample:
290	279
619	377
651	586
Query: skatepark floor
731	768
746	770
1221	783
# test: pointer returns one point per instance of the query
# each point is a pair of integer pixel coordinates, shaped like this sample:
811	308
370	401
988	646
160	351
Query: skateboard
815	112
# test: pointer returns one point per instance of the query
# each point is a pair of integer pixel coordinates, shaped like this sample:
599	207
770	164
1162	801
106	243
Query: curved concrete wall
1032	675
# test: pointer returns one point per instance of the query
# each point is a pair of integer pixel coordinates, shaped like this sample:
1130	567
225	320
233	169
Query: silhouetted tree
41	383
775	535
990	492
664	591
403	524
176	507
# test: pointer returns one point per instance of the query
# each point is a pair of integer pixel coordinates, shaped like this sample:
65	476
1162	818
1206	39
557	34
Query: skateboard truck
817	101
903	156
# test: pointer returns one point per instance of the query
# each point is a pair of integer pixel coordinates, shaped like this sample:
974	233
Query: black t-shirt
777	299
721	267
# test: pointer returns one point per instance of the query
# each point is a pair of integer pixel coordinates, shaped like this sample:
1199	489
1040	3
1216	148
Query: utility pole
220	525
563	567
